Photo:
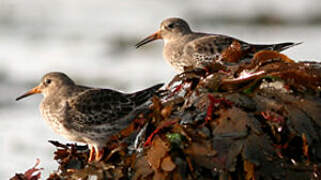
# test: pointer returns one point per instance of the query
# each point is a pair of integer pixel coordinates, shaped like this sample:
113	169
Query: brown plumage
85	114
185	48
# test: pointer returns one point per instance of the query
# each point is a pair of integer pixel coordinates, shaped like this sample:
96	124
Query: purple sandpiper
85	114
185	48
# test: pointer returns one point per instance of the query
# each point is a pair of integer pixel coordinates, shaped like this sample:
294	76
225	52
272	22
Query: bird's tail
142	96
276	47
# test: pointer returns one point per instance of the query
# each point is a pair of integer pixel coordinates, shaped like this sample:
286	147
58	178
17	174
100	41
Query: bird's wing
208	48
99	106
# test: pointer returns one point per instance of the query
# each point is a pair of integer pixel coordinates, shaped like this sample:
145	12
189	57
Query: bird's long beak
34	90
150	38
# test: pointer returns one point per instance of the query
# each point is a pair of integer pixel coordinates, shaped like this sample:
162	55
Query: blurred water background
93	42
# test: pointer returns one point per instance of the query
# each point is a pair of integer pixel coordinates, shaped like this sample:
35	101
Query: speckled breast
55	116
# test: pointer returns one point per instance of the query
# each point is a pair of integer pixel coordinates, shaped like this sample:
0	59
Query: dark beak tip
19	98
24	96
139	44
147	40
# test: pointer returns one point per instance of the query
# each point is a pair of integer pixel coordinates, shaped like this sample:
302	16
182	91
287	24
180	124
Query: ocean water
93	42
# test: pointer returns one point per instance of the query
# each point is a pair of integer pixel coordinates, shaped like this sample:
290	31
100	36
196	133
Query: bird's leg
91	154
99	153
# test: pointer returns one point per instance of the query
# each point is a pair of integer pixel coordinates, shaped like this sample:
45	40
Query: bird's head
50	84
170	29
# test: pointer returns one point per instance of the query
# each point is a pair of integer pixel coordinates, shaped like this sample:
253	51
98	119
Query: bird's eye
171	25
48	81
